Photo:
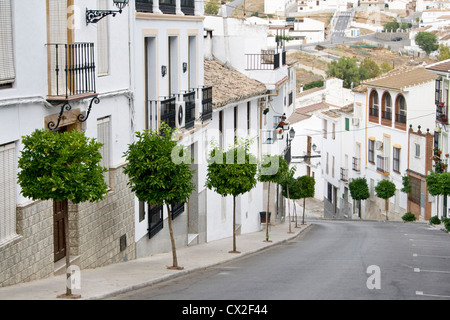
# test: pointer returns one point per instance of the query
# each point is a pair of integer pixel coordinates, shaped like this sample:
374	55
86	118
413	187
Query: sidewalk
125	276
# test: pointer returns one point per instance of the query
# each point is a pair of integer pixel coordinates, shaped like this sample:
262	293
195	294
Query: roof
402	78
303	113
443	66
228	85
331	114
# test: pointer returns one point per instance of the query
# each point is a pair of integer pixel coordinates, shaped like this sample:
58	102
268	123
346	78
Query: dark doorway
60	210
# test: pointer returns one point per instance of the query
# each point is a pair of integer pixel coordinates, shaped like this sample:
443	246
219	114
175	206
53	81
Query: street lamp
291	134
94	16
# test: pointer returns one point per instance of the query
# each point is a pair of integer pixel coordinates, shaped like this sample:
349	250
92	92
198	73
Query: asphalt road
334	260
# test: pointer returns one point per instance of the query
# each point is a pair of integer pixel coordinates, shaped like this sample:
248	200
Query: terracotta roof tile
402	78
229	85
443	66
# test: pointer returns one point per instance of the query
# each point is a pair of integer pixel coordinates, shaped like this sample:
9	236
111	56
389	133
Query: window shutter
437	96
103	136
103	41
7	192
7	71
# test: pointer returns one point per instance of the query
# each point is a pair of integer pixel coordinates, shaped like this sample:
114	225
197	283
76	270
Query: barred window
371	151
396	160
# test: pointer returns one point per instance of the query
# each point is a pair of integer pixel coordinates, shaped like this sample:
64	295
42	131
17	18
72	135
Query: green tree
438	184
287	182
306	186
159	172
359	190
232	173
427	41
346	69
368	69
385	67
61	166
391	26
272	170
444	52
385	189
212	7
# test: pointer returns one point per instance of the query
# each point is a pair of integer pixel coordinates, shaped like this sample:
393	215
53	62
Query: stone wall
95	233
29	256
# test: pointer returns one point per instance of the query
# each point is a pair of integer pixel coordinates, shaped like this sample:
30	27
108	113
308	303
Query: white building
42	44
390	104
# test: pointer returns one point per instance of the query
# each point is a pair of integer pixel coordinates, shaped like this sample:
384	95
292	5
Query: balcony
71	74
168	112
189	100
207	103
383	164
400	121
344	174
373	114
267	60
188	7
144	5
356	164
167	6
441	113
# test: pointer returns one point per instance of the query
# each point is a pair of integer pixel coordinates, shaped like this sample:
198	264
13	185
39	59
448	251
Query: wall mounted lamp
94	16
163	70
184	67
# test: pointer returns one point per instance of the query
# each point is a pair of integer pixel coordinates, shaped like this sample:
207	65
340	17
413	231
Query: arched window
400	109
373	104
386	107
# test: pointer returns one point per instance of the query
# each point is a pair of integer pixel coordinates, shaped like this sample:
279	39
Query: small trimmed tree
307	189
385	189
159	173
272	170
359	190
287	182
59	167
232	173
438	184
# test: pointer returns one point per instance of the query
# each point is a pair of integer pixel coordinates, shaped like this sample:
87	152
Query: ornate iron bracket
67	107
81	117
51	125
94	16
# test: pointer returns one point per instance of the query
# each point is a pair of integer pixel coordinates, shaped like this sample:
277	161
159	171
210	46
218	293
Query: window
373	104
400	108
155	219
371	151
417	150
248	116
103	136
103	41
7	71
396	160
7	192
386	107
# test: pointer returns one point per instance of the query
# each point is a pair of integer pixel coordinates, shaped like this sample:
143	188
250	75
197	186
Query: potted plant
280	133
286	125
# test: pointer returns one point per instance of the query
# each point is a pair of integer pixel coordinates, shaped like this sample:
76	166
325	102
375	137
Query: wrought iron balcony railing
400	118
382	164
373	112
441	113
344	174
168	112
189	100
188	7
268	60
144	5
207	103
167	6
387	115
71	71
356	164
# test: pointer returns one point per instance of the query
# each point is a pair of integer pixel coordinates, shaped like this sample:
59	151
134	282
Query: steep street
333	260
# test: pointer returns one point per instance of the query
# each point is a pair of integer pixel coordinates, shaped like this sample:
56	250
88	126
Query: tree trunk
289	209
304	204
386	207
267	213
359	205
68	274
234	227
172	240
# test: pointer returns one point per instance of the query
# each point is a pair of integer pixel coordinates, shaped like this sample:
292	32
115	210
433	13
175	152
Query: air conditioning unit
180	114
355	122
378	145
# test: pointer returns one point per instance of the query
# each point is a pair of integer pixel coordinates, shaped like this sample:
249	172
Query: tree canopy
158	168
427	41
347	69
61	166
359	189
